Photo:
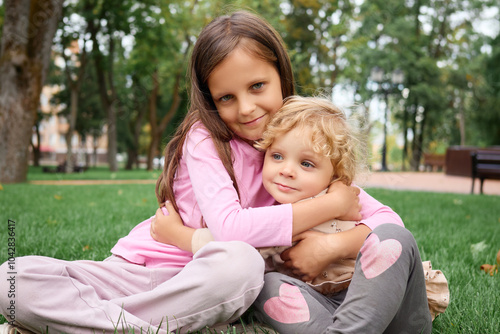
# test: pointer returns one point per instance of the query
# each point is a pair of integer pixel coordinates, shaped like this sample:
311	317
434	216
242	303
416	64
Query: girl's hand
311	255
347	199
169	228
315	250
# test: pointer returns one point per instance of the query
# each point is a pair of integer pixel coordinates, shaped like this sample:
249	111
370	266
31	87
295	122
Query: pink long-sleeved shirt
204	189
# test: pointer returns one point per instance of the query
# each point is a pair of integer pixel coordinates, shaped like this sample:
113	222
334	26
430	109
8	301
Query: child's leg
387	293
291	306
80	296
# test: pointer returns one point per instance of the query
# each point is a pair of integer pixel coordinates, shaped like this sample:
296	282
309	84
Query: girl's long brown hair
216	41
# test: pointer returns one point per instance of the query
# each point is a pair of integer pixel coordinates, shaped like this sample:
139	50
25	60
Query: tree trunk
413	163
461	121
112	138
107	91
28	30
135	127
418	141
405	140
70	163
158	129
36	148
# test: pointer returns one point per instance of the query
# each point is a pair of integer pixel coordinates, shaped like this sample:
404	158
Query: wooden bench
434	161
485	165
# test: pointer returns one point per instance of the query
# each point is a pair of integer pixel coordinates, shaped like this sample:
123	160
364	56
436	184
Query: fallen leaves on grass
492	269
478	248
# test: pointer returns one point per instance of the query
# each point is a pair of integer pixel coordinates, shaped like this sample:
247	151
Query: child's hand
347	200
315	250
311	255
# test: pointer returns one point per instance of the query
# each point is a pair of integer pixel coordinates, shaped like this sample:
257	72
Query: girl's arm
342	199
222	209
316	250
170	229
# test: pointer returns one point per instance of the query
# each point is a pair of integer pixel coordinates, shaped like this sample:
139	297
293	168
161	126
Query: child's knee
393	231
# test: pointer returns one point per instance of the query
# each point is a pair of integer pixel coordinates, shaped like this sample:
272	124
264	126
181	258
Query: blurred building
52	129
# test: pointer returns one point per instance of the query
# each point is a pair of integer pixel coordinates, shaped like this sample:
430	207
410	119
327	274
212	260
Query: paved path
427	181
418	181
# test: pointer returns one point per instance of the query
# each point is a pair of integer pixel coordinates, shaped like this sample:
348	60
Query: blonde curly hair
331	134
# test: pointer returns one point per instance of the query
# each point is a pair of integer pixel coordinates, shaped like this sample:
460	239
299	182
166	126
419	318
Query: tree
107	23
28	29
315	32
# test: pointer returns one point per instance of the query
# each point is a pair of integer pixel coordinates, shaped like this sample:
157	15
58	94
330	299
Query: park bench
434	162
485	165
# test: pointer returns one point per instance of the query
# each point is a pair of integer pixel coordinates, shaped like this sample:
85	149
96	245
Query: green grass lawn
458	233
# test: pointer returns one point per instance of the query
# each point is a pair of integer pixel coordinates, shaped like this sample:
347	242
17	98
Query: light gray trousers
114	295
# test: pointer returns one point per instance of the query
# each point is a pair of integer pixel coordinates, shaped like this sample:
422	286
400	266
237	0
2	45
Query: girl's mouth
255	121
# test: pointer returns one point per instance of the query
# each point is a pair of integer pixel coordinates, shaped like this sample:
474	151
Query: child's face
292	170
246	91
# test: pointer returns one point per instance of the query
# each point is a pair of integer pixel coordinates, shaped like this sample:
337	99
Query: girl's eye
307	164
277	156
226	98
258	85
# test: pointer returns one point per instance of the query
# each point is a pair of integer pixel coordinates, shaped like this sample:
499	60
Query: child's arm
317	250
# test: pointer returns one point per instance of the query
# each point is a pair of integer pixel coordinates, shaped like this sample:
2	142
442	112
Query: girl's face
292	170
246	91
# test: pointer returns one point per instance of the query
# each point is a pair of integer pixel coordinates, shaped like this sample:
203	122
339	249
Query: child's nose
246	105
287	171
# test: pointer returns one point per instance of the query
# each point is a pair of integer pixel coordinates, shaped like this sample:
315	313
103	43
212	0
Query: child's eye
258	85
307	164
277	156
226	98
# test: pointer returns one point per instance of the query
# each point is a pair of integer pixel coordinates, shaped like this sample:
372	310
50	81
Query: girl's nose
246	105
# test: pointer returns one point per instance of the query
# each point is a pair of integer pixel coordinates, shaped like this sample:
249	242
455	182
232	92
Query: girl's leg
88	296
72	297
387	293
218	286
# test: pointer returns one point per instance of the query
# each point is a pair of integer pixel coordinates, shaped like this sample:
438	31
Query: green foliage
451	77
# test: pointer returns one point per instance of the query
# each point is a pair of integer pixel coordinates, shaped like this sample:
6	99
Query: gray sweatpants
387	293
